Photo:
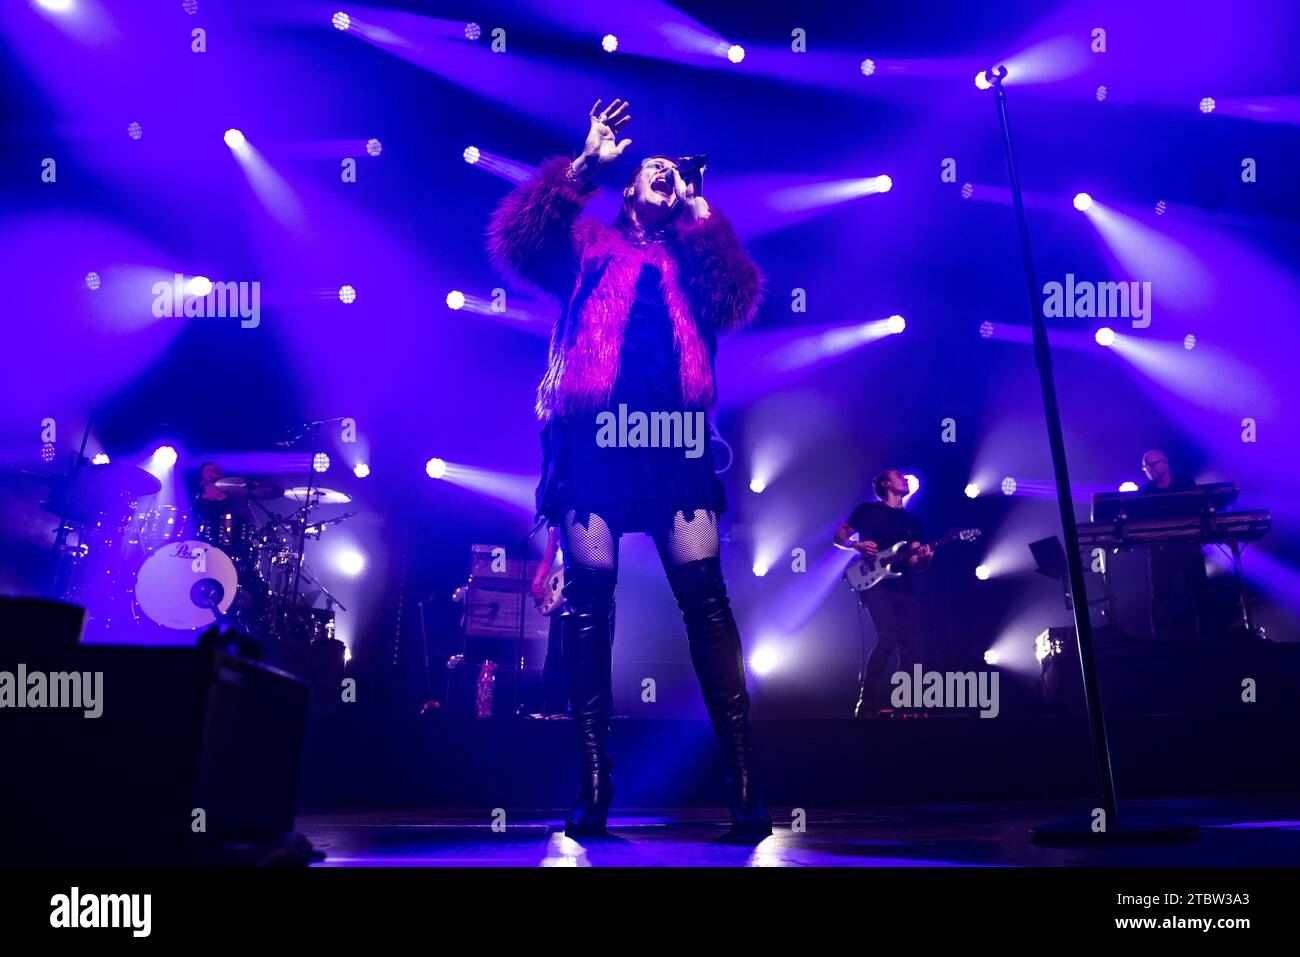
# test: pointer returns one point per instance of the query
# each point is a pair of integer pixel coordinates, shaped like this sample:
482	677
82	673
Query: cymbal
95	489
246	487
320	496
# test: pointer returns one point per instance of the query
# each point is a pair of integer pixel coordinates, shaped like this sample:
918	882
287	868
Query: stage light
735	53
374	147
1082	201
1128	486
1189	342
759	569
455	299
321	462
982	572
868	67
972	490
473	31
1045	645
164	456
470	155
361	470
1105	336
435	468
895	324
1161	206
764	660
101	458
351	562
913	483
47	452
55	6
982	80
991	658
757	485
347	295
92	280
234	139
1008	486
884	184
967	190
134	130
609	43
1101	93
199	286
341	21
986	330
1207	104
191	6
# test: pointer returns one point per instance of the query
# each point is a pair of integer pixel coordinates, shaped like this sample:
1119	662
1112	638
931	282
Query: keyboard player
1180	590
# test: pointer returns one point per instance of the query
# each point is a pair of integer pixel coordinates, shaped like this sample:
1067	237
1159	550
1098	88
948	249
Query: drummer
213	504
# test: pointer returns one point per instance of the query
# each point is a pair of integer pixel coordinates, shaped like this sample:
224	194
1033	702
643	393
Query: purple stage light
967	190
473	31
361	470
351	562
1105	336
986	330
1128	486
198	286
1189	342
991	657
757	485
913	483
435	468
455	299
1082	202
374	147
92	280
972	490
190	6
55	6
101	458
47	452
1207	104
164	457
895	324
234	139
471	155
982	80
1161	206
609	43
1101	93
735	53
347	295
764	660
341	21
868	67
134	130
1008	486
320	462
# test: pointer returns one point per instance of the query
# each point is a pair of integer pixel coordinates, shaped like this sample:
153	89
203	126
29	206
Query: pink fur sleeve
531	232
721	279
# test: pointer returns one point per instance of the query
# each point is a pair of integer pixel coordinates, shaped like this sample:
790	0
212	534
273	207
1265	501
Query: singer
644	301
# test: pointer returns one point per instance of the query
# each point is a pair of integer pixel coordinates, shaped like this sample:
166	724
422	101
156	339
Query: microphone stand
1090	829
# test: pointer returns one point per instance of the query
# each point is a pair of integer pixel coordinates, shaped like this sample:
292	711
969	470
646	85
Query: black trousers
897	618
1181	605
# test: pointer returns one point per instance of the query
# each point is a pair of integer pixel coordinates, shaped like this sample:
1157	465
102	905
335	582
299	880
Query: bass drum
186	585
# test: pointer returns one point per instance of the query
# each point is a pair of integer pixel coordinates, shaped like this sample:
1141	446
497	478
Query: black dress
632	489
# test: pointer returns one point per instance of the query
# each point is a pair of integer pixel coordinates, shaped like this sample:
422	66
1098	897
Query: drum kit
139	564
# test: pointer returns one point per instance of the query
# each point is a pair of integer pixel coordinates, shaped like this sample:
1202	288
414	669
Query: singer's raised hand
602	144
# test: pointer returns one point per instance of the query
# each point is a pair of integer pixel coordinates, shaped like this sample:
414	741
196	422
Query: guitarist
892	603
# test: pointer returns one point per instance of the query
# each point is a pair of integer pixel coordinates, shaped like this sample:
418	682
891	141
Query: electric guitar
867	573
553	600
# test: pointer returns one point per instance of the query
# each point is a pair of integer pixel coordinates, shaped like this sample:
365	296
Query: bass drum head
180	584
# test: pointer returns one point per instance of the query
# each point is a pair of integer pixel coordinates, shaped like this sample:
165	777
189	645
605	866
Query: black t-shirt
1176	484
877	522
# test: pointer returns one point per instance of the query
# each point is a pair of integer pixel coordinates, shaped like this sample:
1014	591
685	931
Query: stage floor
1249	831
